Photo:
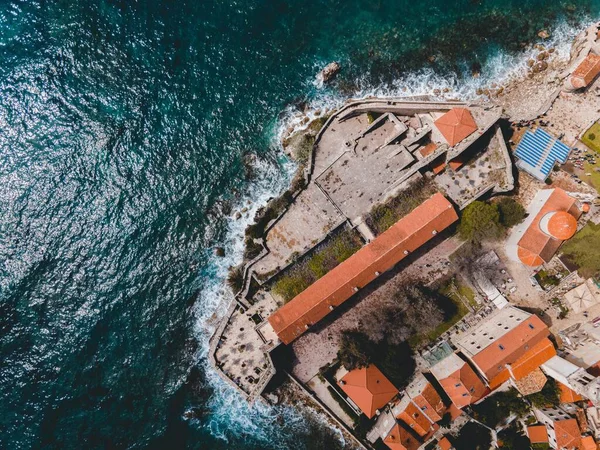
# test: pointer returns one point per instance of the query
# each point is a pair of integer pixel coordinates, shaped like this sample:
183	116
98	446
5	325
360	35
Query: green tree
473	437
480	221
395	361
356	350
498	407
549	396
512	438
511	212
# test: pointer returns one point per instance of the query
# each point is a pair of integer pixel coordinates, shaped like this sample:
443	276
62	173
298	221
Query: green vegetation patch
548	397
384	215
454	309
345	407
473	436
395	361
511	212
480	221
314	265
547	280
495	409
582	250
591	137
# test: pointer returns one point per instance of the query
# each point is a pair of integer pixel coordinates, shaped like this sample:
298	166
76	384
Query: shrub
384	215
235	278
252	249
511	212
316	264
591	136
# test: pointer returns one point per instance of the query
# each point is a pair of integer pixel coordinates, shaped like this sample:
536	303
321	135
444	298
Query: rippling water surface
124	127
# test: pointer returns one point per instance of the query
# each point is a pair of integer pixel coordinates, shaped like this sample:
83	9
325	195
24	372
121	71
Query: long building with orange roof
552	219
563	430
404	237
510	342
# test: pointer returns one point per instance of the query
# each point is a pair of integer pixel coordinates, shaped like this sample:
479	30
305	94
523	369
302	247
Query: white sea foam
230	415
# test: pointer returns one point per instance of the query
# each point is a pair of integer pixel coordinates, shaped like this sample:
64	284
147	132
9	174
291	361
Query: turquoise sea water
123	131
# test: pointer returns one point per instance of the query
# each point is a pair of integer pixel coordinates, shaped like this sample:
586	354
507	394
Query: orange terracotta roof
415	419
399	438
444	444
562	225
537	434
430	403
535	246
438	164
463	386
428	149
567	395
383	253
457	162
588	443
567	433
529	258
368	388
456	125
455	412
499	379
537	355
513	345
586	72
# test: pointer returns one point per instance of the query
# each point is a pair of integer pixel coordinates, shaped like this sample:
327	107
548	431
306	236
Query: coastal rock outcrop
329	72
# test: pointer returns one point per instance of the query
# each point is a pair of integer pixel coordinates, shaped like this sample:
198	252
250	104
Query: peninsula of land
431	275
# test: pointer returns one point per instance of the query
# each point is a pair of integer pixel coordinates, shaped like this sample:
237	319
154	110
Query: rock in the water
220	252
544	34
238	215
330	71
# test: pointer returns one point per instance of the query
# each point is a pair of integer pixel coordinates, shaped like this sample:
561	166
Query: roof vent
355	289
406	252
306	326
342	382
377	273
330	307
434	232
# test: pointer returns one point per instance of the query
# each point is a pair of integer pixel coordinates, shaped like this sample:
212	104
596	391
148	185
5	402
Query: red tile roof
430	403
537	434
537	355
535	246
586	72
567	434
444	444
513	345
337	286
588	443
562	225
462	385
567	395
415	419
456	125
399	438
368	388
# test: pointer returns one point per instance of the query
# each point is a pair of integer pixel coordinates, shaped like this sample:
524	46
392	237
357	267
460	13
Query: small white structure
582	297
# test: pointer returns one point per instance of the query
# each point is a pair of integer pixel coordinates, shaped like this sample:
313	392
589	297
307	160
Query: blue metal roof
539	151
